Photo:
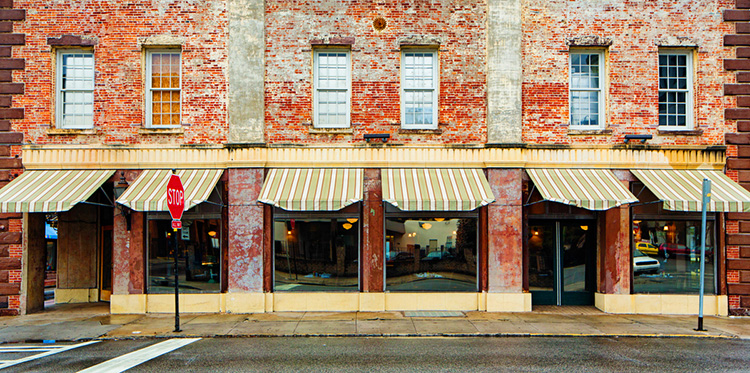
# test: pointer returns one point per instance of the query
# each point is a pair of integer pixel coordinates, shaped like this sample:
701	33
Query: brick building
426	155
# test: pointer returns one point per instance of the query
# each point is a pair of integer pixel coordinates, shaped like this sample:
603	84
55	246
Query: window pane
431	254
316	254
199	256
332	85
666	256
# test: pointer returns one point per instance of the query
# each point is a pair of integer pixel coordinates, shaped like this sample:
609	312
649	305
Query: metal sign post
176	205
706	200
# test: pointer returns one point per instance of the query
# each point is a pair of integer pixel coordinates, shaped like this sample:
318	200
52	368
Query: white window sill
161	131
680	131
72	131
330	130
588	131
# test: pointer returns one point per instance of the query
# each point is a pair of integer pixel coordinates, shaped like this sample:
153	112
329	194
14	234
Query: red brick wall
635	29
292	27
119	91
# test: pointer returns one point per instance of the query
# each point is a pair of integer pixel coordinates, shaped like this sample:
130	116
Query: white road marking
51	350
127	361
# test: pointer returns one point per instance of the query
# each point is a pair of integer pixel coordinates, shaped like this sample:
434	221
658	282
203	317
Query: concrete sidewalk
92	321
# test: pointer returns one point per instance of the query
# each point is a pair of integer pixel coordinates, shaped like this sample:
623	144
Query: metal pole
706	200
176	286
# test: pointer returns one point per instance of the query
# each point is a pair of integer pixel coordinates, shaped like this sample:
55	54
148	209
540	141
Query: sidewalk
92	321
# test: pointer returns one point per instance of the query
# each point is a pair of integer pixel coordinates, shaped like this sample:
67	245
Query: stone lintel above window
419	41
333	40
676	41
589	41
73	41
162	41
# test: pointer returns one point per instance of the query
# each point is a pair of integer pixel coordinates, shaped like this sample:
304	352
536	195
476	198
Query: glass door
562	262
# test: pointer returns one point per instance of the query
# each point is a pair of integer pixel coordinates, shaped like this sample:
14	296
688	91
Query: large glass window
163	88
199	256
75	89
586	93
675	89
332	89
316	254
666	256
419	89
431	254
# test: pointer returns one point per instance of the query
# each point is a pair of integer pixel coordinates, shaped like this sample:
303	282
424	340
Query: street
394	354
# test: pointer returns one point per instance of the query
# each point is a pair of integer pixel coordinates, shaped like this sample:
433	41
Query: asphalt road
415	354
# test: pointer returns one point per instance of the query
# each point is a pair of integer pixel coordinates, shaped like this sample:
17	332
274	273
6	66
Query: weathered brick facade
631	33
119	33
738	153
457	27
10	162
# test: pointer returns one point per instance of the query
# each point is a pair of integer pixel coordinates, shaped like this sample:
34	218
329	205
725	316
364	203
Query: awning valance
682	190
50	191
312	189
436	189
591	189
149	190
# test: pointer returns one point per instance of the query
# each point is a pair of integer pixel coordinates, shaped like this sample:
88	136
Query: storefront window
666	256
431	254
199	256
316	254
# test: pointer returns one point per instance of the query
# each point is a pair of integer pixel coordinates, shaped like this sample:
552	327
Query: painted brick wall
117	27
738	153
635	29
293	27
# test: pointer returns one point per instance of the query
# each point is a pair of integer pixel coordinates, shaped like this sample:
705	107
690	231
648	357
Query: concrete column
247	47
34	260
614	251
372	232
504	71
246	230
505	233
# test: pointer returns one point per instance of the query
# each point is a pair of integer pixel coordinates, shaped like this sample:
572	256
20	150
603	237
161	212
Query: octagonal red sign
175	197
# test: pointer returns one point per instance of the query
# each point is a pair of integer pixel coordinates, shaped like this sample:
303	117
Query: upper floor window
163	83
332	85
675	89
586	93
75	89
419	89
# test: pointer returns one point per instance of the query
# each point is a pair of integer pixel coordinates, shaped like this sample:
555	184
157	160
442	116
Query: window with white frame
75	89
419	89
675	89
332	91
163	87
586	89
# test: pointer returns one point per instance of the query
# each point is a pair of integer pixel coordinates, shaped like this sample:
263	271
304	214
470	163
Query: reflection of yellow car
647	248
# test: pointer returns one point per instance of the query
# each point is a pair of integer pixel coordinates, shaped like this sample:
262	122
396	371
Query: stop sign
175	197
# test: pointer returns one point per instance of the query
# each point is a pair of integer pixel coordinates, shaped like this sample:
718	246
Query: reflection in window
199	256
432	254
666	256
316	254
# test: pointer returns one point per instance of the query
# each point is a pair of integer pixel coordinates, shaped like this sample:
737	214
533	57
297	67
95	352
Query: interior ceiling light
352	220
347	226
426	226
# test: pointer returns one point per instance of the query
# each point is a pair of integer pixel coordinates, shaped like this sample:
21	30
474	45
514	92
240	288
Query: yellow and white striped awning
50	191
591	189
682	190
149	190
312	189
436	189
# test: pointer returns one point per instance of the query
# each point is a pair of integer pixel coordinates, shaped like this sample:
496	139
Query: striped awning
50	191
436	189
682	190
585	188
312	189
149	190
